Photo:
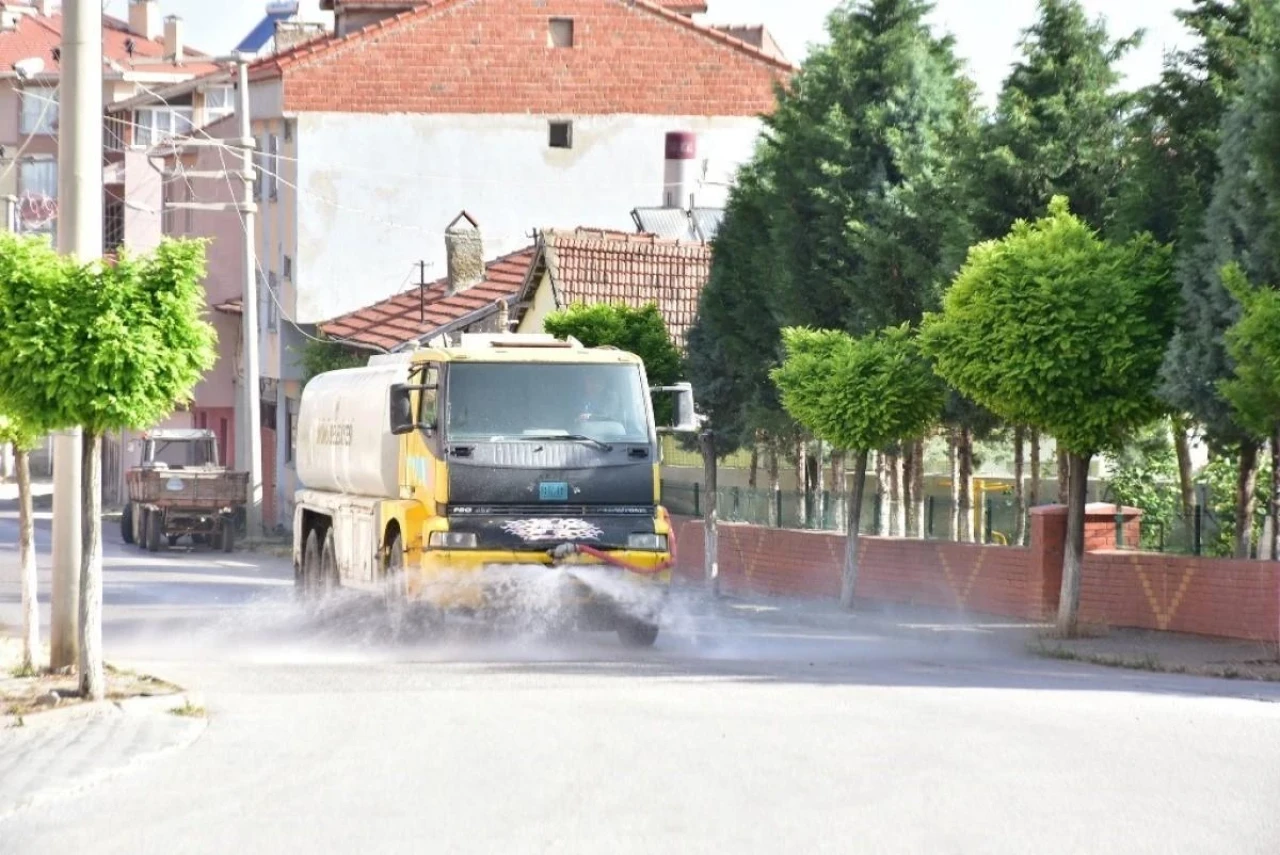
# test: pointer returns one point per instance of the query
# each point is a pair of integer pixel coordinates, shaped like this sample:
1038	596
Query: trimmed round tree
103	347
1055	328
858	394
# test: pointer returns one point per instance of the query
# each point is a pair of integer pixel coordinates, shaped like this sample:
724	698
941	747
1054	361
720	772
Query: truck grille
556	510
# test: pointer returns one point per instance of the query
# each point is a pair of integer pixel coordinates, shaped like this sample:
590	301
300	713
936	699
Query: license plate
175	485
553	491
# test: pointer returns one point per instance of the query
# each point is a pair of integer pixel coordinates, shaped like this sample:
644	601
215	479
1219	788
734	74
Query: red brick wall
1205	596
1232	599
491	56
987	579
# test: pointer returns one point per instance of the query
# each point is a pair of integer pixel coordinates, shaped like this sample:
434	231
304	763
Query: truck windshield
182	453
490	401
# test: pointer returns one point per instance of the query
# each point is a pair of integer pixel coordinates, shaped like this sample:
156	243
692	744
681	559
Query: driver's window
428	399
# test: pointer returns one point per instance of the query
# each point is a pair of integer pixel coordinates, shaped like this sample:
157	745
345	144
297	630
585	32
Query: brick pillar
1048	544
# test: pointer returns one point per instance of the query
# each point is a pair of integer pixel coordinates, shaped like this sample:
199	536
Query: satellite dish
28	68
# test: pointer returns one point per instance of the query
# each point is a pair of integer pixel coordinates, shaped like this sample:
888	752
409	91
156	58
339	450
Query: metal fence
993	520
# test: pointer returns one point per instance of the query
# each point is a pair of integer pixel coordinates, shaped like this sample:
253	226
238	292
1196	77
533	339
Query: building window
560	33
113	225
155	125
39	177
39	110
561	135
219	102
288	267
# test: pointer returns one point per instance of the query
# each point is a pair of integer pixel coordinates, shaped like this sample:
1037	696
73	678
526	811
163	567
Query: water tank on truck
345	444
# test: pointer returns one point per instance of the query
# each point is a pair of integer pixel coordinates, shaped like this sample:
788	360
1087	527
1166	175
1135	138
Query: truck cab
458	477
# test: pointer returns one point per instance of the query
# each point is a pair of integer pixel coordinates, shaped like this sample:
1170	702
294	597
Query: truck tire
328	576
394	594
126	523
155	530
637	633
227	534
309	573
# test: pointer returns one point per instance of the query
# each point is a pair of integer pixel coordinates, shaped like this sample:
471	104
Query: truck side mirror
401	410
685	417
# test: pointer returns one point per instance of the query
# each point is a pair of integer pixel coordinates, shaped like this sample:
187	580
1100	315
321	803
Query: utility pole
249	428
79	226
11	214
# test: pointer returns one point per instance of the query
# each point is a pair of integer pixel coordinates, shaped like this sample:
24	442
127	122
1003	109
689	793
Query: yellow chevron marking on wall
962	597
1164	617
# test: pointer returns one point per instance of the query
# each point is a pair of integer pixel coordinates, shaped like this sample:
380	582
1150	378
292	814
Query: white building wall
376	192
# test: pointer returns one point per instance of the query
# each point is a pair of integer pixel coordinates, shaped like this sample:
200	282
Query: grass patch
22	672
1151	662
188	710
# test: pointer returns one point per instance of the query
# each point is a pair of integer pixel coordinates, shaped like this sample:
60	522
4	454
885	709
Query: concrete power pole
249	427
79	225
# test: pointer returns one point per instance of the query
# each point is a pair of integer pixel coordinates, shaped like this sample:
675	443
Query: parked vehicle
180	488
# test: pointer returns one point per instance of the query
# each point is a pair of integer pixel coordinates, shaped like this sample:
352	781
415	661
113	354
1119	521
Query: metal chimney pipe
681	152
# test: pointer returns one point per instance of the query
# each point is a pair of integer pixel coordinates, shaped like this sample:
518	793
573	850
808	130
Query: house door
269	478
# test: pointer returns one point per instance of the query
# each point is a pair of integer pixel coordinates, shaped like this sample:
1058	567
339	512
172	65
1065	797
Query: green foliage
1058	120
1054	328
100	346
862	147
1219	479
1253	343
319	356
640	331
859	394
16	433
1145	476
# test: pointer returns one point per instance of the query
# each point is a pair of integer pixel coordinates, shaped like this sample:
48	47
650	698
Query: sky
986	31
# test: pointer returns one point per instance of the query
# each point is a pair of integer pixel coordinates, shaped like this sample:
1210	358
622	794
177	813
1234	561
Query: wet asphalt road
779	730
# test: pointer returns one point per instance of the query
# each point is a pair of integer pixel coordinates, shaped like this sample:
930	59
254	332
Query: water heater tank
681	159
345	444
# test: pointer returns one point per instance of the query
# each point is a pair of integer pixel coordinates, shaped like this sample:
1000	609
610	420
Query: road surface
742	731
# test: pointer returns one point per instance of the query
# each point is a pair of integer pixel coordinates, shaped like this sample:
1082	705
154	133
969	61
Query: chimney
465	253
144	18
291	33
173	38
682	149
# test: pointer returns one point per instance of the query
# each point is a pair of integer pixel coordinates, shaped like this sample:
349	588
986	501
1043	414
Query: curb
141	705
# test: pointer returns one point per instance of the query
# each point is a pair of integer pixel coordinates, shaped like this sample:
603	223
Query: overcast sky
986	31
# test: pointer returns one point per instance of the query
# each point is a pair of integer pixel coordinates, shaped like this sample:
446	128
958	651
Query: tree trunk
755	466
27	561
771	466
1033	497
896	520
802	481
849	578
907	492
710	546
882	494
1019	490
839	484
820	486
1275	494
917	487
953	458
965	453
1064	478
1073	555
1182	445
1246	487
92	682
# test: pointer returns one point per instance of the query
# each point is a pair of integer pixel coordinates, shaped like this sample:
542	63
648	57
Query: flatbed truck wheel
227	534
155	530
126	523
637	633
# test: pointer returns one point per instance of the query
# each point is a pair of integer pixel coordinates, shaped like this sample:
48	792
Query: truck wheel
173	540
328	578
227	532
126	523
394	589
308	577
155	530
637	633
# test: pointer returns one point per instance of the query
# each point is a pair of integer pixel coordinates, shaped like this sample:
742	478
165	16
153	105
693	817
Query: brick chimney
291	33
465	253
144	18
173	38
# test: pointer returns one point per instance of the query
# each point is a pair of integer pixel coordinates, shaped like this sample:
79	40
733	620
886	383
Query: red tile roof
593	266
399	319
423	50
37	36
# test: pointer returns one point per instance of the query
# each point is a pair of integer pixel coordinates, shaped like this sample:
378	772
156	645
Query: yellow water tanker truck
453	477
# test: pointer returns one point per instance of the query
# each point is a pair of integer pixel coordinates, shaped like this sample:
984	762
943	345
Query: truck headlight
650	542
452	540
